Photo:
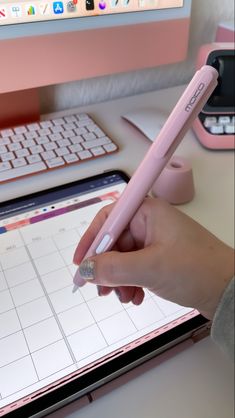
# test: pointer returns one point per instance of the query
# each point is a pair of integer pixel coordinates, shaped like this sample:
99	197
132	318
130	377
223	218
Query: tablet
56	345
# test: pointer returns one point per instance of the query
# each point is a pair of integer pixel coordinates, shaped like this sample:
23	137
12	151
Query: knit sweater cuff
222	331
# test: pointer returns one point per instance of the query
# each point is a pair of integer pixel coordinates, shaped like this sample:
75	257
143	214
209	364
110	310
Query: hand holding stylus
180	120
164	251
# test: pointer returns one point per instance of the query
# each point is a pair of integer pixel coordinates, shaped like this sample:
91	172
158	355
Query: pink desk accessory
190	104
175	184
215	124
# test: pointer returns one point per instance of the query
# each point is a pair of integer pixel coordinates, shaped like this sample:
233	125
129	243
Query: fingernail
87	269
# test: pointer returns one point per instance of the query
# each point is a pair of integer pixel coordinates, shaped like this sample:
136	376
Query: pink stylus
190	104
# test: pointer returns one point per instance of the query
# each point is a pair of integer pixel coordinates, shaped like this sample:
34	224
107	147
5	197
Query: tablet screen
50	336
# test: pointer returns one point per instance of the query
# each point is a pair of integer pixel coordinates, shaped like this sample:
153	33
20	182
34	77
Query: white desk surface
198	382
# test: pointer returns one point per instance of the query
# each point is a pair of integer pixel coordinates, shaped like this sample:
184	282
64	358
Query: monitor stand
19	107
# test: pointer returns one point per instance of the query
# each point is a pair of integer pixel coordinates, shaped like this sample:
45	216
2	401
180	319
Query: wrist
218	282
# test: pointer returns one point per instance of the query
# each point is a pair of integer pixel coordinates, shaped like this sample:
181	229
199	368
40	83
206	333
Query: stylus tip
75	288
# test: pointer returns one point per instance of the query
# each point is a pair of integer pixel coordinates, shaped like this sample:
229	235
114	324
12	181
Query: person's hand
162	250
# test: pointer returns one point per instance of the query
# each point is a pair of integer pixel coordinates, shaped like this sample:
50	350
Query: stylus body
190	104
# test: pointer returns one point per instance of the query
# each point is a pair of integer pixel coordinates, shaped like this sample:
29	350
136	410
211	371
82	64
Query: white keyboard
50	144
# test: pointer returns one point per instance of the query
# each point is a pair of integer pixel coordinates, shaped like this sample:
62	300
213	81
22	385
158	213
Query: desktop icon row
29	9
59	7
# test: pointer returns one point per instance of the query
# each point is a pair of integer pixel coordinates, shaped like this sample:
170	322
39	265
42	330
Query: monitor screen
46	42
16	13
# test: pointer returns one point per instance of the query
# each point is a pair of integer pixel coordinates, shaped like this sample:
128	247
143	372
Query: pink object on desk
179	121
218	135
175	184
213	141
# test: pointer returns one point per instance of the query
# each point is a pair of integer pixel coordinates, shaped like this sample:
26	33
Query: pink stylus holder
175	184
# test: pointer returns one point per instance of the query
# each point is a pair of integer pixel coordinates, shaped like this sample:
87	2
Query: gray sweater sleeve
222	331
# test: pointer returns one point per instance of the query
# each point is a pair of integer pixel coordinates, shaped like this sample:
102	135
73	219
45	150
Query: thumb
120	269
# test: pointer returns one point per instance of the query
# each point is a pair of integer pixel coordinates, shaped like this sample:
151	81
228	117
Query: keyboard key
98	151
3	149
19	162
5	141
224	120
57	129
14	173
36	149
48	155
63	143
110	147
99	133
50	146
34	158
75	148
20	129
44	131
83	116
55	137
216	129
17	138
209	121
81	123
24	152
62	151
80	131
31	135
70	119
28	143
7	156
33	127
230	129
6	132
89	136
76	139
71	158
69	126
46	124
42	140
83	155
92	127
5	166
58	121
14	147
68	134
55	162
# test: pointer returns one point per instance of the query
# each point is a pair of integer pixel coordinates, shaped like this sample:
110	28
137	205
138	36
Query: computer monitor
46	42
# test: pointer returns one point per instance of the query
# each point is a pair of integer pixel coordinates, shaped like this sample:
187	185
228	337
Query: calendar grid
50	304
21	328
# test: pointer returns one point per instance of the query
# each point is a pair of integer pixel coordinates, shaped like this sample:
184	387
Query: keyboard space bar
22	171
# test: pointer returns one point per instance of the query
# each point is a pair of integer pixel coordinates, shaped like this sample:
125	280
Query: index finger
90	234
